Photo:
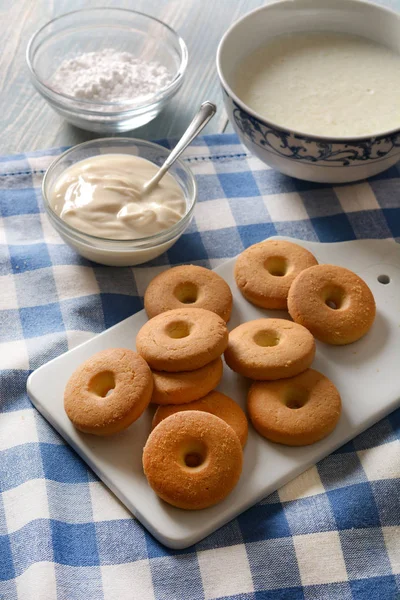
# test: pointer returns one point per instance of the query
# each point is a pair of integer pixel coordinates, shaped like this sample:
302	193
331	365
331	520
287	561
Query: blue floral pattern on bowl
312	150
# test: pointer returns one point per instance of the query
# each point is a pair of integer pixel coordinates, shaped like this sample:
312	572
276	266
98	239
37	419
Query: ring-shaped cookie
217	404
335	304
192	459
108	392
265	271
186	386
188	286
297	411
267	349
183	339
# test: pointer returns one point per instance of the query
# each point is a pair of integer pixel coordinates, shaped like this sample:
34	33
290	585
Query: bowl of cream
94	197
312	87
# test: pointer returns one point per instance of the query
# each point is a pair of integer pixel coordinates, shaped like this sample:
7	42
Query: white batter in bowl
326	83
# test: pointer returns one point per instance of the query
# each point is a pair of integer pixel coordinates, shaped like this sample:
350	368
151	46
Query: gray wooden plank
28	123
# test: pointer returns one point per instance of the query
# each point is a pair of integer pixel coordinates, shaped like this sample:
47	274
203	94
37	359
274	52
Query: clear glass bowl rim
117	104
130	244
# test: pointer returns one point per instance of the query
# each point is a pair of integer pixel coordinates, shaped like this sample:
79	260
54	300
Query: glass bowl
120	253
95	29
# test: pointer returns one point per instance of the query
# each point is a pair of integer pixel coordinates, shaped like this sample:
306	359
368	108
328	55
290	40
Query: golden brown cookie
267	349
183	339
335	304
192	459
188	286
186	386
215	403
297	411
108	392
264	272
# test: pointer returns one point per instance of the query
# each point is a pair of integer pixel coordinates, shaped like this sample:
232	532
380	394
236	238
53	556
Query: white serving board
366	373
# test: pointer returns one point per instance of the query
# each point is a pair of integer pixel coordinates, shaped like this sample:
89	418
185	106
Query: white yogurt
328	84
103	196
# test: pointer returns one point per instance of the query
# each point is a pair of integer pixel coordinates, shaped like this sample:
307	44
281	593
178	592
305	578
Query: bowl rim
299	134
150	99
124	244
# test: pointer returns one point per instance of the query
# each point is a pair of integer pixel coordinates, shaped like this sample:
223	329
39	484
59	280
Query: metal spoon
206	112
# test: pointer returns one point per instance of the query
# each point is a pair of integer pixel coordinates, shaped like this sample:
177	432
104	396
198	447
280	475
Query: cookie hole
266	338
102	384
195	454
193	459
296	398
276	266
332	304
178	329
334	298
186	292
385	279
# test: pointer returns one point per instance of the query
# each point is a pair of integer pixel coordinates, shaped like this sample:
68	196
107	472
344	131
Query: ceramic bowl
310	157
120	253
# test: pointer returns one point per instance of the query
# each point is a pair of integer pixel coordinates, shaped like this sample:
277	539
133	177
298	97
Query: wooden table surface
28	123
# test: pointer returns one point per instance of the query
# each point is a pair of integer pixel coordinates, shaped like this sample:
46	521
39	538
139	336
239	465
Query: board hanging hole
384	279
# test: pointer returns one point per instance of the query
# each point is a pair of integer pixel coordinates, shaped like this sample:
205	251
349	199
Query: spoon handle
206	112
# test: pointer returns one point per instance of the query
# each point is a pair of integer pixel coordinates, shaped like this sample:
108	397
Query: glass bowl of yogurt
107	70
312	87
94	198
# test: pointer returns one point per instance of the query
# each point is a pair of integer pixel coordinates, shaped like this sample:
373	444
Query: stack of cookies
193	457
186	369
188	294
194	426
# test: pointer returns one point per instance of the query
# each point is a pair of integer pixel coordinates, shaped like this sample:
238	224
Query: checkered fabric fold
332	533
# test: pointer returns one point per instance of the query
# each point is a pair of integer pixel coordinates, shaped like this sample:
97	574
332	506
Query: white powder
109	76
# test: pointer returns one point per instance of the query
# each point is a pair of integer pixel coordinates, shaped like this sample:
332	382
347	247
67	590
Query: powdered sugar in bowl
107	69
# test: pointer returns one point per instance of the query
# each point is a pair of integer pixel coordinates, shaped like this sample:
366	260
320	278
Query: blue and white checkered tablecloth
332	533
